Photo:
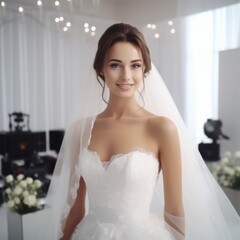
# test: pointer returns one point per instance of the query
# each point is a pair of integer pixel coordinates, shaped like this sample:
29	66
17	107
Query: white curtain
40	64
206	34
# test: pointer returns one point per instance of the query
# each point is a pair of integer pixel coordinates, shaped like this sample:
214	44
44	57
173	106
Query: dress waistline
123	215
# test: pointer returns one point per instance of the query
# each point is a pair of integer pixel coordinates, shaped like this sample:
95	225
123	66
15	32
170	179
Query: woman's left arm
170	160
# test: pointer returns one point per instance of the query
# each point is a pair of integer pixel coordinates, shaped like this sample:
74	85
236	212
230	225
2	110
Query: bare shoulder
162	127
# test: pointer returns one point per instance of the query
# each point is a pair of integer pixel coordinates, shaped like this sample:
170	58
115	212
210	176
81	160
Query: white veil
209	214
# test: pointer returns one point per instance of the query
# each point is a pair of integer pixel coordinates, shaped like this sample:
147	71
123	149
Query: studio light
211	151
212	129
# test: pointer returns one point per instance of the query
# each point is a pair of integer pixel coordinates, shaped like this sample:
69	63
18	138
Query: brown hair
120	32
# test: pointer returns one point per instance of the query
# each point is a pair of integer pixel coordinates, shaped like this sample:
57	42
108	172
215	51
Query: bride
129	170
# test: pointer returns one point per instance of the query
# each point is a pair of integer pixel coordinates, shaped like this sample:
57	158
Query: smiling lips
124	86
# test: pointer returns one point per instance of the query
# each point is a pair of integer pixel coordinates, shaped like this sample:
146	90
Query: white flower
10	203
229	171
20	177
237	155
9	178
225	183
18	190
17	200
8	190
29	180
228	154
37	184
25	193
30	200
237	168
225	160
23	183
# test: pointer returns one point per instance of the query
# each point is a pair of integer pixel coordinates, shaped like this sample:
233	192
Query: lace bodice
123	184
120	194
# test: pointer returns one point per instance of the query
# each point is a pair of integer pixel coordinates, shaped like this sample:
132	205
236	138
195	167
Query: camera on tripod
211	151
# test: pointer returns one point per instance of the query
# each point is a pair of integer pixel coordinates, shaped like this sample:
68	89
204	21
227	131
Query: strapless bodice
120	193
126	181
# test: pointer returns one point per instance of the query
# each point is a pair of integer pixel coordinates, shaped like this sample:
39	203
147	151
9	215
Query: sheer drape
188	59
206	34
40	65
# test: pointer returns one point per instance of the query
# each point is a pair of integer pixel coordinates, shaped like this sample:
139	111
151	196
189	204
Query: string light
170	23
65	29
20	9
39	3
68	24
156	35
153	26
87	29
172	30
3	4
57	20
57	3
149	25
61	19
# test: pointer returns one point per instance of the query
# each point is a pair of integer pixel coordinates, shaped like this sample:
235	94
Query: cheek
111	76
139	77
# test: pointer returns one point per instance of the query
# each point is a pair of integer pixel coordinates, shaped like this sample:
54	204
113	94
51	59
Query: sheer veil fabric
209	214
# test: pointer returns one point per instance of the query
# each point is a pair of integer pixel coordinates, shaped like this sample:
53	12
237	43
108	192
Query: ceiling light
153	26
20	9
57	3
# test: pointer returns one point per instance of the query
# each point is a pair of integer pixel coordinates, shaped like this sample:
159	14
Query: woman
124	156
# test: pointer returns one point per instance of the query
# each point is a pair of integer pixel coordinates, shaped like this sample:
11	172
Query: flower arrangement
21	193
228	172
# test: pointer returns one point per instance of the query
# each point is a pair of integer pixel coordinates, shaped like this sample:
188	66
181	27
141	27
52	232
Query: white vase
35	225
234	197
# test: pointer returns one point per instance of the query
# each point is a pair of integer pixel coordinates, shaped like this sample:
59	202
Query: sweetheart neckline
115	156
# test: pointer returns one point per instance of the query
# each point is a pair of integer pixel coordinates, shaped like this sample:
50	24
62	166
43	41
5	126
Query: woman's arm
77	212
170	160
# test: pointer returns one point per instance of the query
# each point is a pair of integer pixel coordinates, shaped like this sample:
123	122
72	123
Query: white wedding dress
120	193
121	202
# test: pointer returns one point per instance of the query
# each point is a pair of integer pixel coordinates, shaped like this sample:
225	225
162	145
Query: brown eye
114	65
136	66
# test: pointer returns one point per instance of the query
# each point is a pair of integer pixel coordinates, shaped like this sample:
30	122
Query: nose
126	75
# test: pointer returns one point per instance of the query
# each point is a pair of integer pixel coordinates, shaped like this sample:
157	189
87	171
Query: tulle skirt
154	228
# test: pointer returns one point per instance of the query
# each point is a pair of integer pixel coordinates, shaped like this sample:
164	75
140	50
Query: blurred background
47	49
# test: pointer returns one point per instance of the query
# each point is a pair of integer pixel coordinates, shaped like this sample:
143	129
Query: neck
124	107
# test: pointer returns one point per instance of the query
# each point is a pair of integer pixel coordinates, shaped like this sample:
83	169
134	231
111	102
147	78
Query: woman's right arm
77	212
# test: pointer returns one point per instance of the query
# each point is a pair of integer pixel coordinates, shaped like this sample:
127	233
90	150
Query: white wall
229	97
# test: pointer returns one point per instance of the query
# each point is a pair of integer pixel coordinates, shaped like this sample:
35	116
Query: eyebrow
117	60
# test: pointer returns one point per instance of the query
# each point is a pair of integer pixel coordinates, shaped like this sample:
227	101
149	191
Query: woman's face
123	69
